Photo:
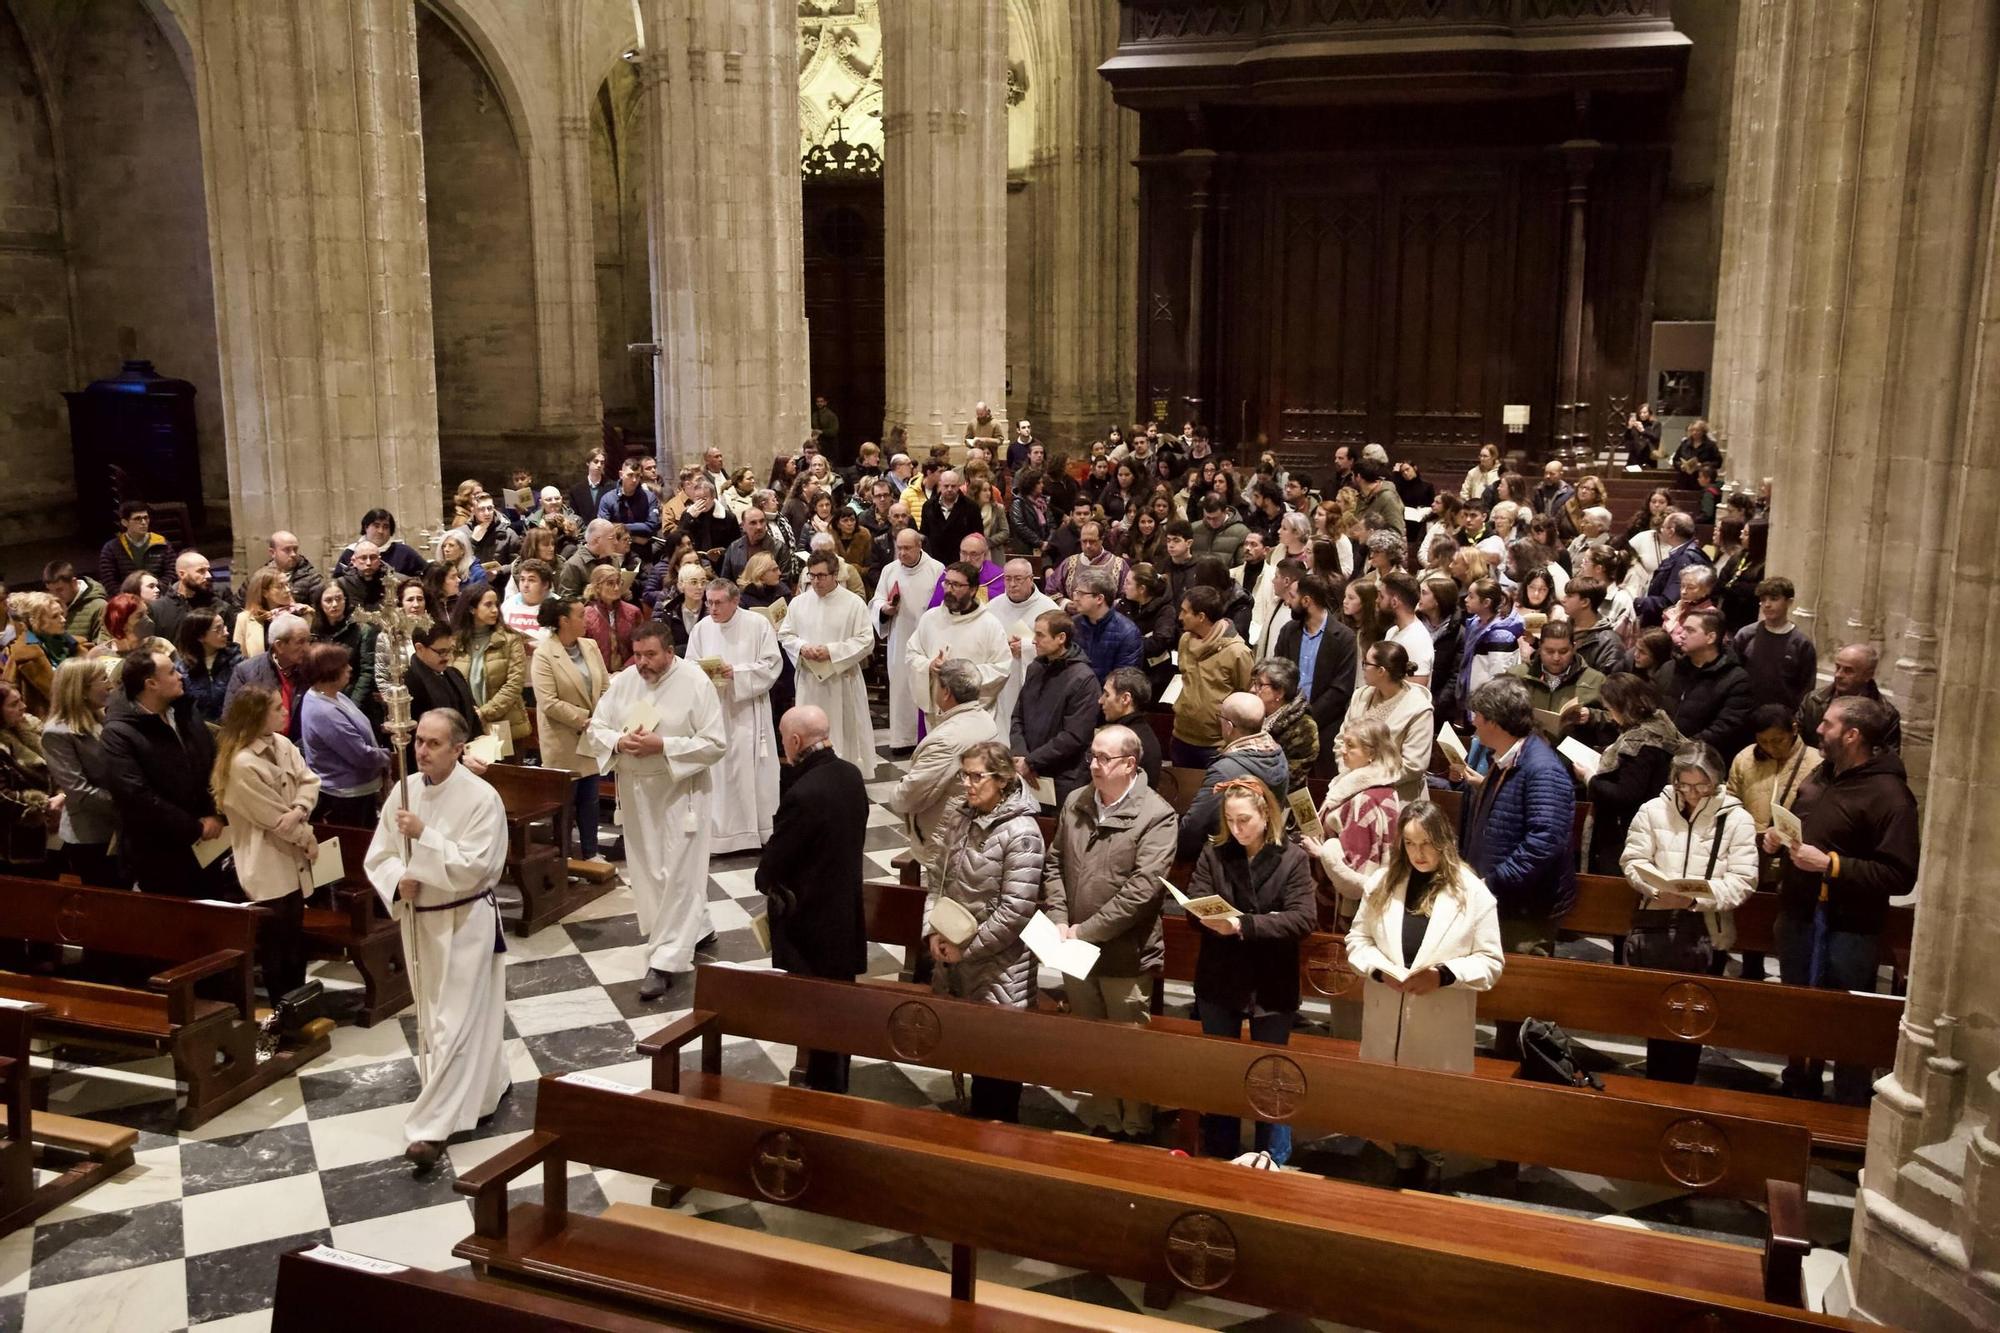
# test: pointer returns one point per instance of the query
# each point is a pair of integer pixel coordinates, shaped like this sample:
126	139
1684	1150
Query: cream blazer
1428	1031
564	698
265	781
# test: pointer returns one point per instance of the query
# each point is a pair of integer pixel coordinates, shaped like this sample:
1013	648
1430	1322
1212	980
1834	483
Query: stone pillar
1858	352
1573	418
309	128
719	103
944	177
566	279
1086	196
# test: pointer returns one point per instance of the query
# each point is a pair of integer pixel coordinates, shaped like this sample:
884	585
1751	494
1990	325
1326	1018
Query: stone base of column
1909	1273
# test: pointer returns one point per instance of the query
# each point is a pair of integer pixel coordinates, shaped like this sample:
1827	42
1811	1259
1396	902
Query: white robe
459	982
663	802
1010	615
973	636
837	622
745	795
916	582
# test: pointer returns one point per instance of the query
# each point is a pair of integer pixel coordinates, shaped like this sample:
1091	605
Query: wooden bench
1838	1132
1568	1128
76	1153
1265	1241
541	869
213	1042
353	924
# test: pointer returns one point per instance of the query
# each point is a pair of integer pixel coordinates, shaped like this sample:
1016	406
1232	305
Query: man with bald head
1853	678
193	590
810	872
897	609
1016	608
1248	751
305	582
972	550
948	518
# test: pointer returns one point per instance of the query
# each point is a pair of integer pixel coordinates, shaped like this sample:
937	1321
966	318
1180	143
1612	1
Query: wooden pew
77	1153
213	1042
1512	1121
1651	1002
541	870
355	925
321	1290
1107	1208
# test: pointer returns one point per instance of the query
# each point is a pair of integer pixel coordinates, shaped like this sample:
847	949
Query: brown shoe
423	1156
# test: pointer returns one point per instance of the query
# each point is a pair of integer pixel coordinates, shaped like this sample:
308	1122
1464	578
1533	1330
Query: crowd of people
713	637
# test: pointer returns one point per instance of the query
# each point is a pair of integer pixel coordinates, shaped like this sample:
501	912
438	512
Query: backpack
1548	1055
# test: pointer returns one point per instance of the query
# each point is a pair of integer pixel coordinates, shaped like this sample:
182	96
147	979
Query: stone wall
618	227
1687	244
482	277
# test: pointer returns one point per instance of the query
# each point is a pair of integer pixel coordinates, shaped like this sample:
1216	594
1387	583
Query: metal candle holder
401	627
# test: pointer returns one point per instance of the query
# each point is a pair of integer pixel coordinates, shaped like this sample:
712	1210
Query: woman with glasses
990	858
1248	968
1692	856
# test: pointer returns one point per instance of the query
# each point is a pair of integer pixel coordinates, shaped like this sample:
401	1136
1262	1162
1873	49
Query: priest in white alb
659	727
902	596
439	847
828	638
959	627
1016	610
744	798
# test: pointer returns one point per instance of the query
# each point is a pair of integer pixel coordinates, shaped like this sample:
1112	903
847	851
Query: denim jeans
1846	962
583	796
1222	1135
1182	755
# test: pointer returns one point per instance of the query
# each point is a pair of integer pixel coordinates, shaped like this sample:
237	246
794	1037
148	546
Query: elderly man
278	667
896	611
1854	669
157	762
1247	751
1113	842
757	539
136	548
599	547
660	726
1857	850
740	654
948	518
366	582
827	636
982	426
192	591
713	470
1091	554
1593	527
1679	550
1050	731
972	550
959	628
438	850
930	786
1015	610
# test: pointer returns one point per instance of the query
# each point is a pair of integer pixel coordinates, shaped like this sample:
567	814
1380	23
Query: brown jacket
1102	875
506	677
1212	669
564	698
266	780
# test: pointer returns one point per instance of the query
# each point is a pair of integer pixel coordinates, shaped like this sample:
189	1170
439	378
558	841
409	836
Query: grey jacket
1255	756
993	868
76	766
1103	876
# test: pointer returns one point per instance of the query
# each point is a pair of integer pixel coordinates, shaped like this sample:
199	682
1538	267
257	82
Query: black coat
811	868
1868	818
1712	703
1256	972
158	776
1332	685
942	535
439	689
1159	623
1055	718
1615	797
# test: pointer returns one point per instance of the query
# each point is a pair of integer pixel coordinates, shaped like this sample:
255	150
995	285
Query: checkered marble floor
188	1237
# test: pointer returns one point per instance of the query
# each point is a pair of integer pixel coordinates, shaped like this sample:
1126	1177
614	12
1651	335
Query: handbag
1548	1055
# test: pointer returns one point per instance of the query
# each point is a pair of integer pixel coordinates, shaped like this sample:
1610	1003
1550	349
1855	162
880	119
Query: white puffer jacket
1673	846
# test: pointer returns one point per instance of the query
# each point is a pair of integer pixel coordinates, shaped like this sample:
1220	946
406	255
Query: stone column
1859	353
719	103
944	176
310	144
1085	192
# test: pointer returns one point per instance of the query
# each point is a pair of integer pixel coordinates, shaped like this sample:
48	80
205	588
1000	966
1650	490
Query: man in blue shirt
1107	636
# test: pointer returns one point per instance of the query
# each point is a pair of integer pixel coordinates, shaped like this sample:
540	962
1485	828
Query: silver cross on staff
401	627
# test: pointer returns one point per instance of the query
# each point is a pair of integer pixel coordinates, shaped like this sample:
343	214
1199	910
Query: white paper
601	1084
643	717
1579	754
1416	513
1790	831
1073	958
360	1262
1171	695
822	670
327	865
486	748
1209	907
1045	791
207	849
14	1004
760	926
219	902
1448	741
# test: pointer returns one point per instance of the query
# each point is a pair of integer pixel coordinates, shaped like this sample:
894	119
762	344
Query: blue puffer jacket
1109	644
1516	833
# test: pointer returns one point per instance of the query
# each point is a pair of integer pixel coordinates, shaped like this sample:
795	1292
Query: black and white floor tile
188	1237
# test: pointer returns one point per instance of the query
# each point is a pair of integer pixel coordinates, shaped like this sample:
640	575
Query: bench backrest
525	786
323	1295
1208	1238
1548	1125
893	913
139	925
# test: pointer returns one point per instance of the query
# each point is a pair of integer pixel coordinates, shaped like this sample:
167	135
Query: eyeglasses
1693	785
1106	760
971	779
959	586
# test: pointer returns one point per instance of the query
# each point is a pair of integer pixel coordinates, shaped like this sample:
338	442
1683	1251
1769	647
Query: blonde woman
455	554
266	595
1425	942
1360	811
265	792
76	766
30	807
